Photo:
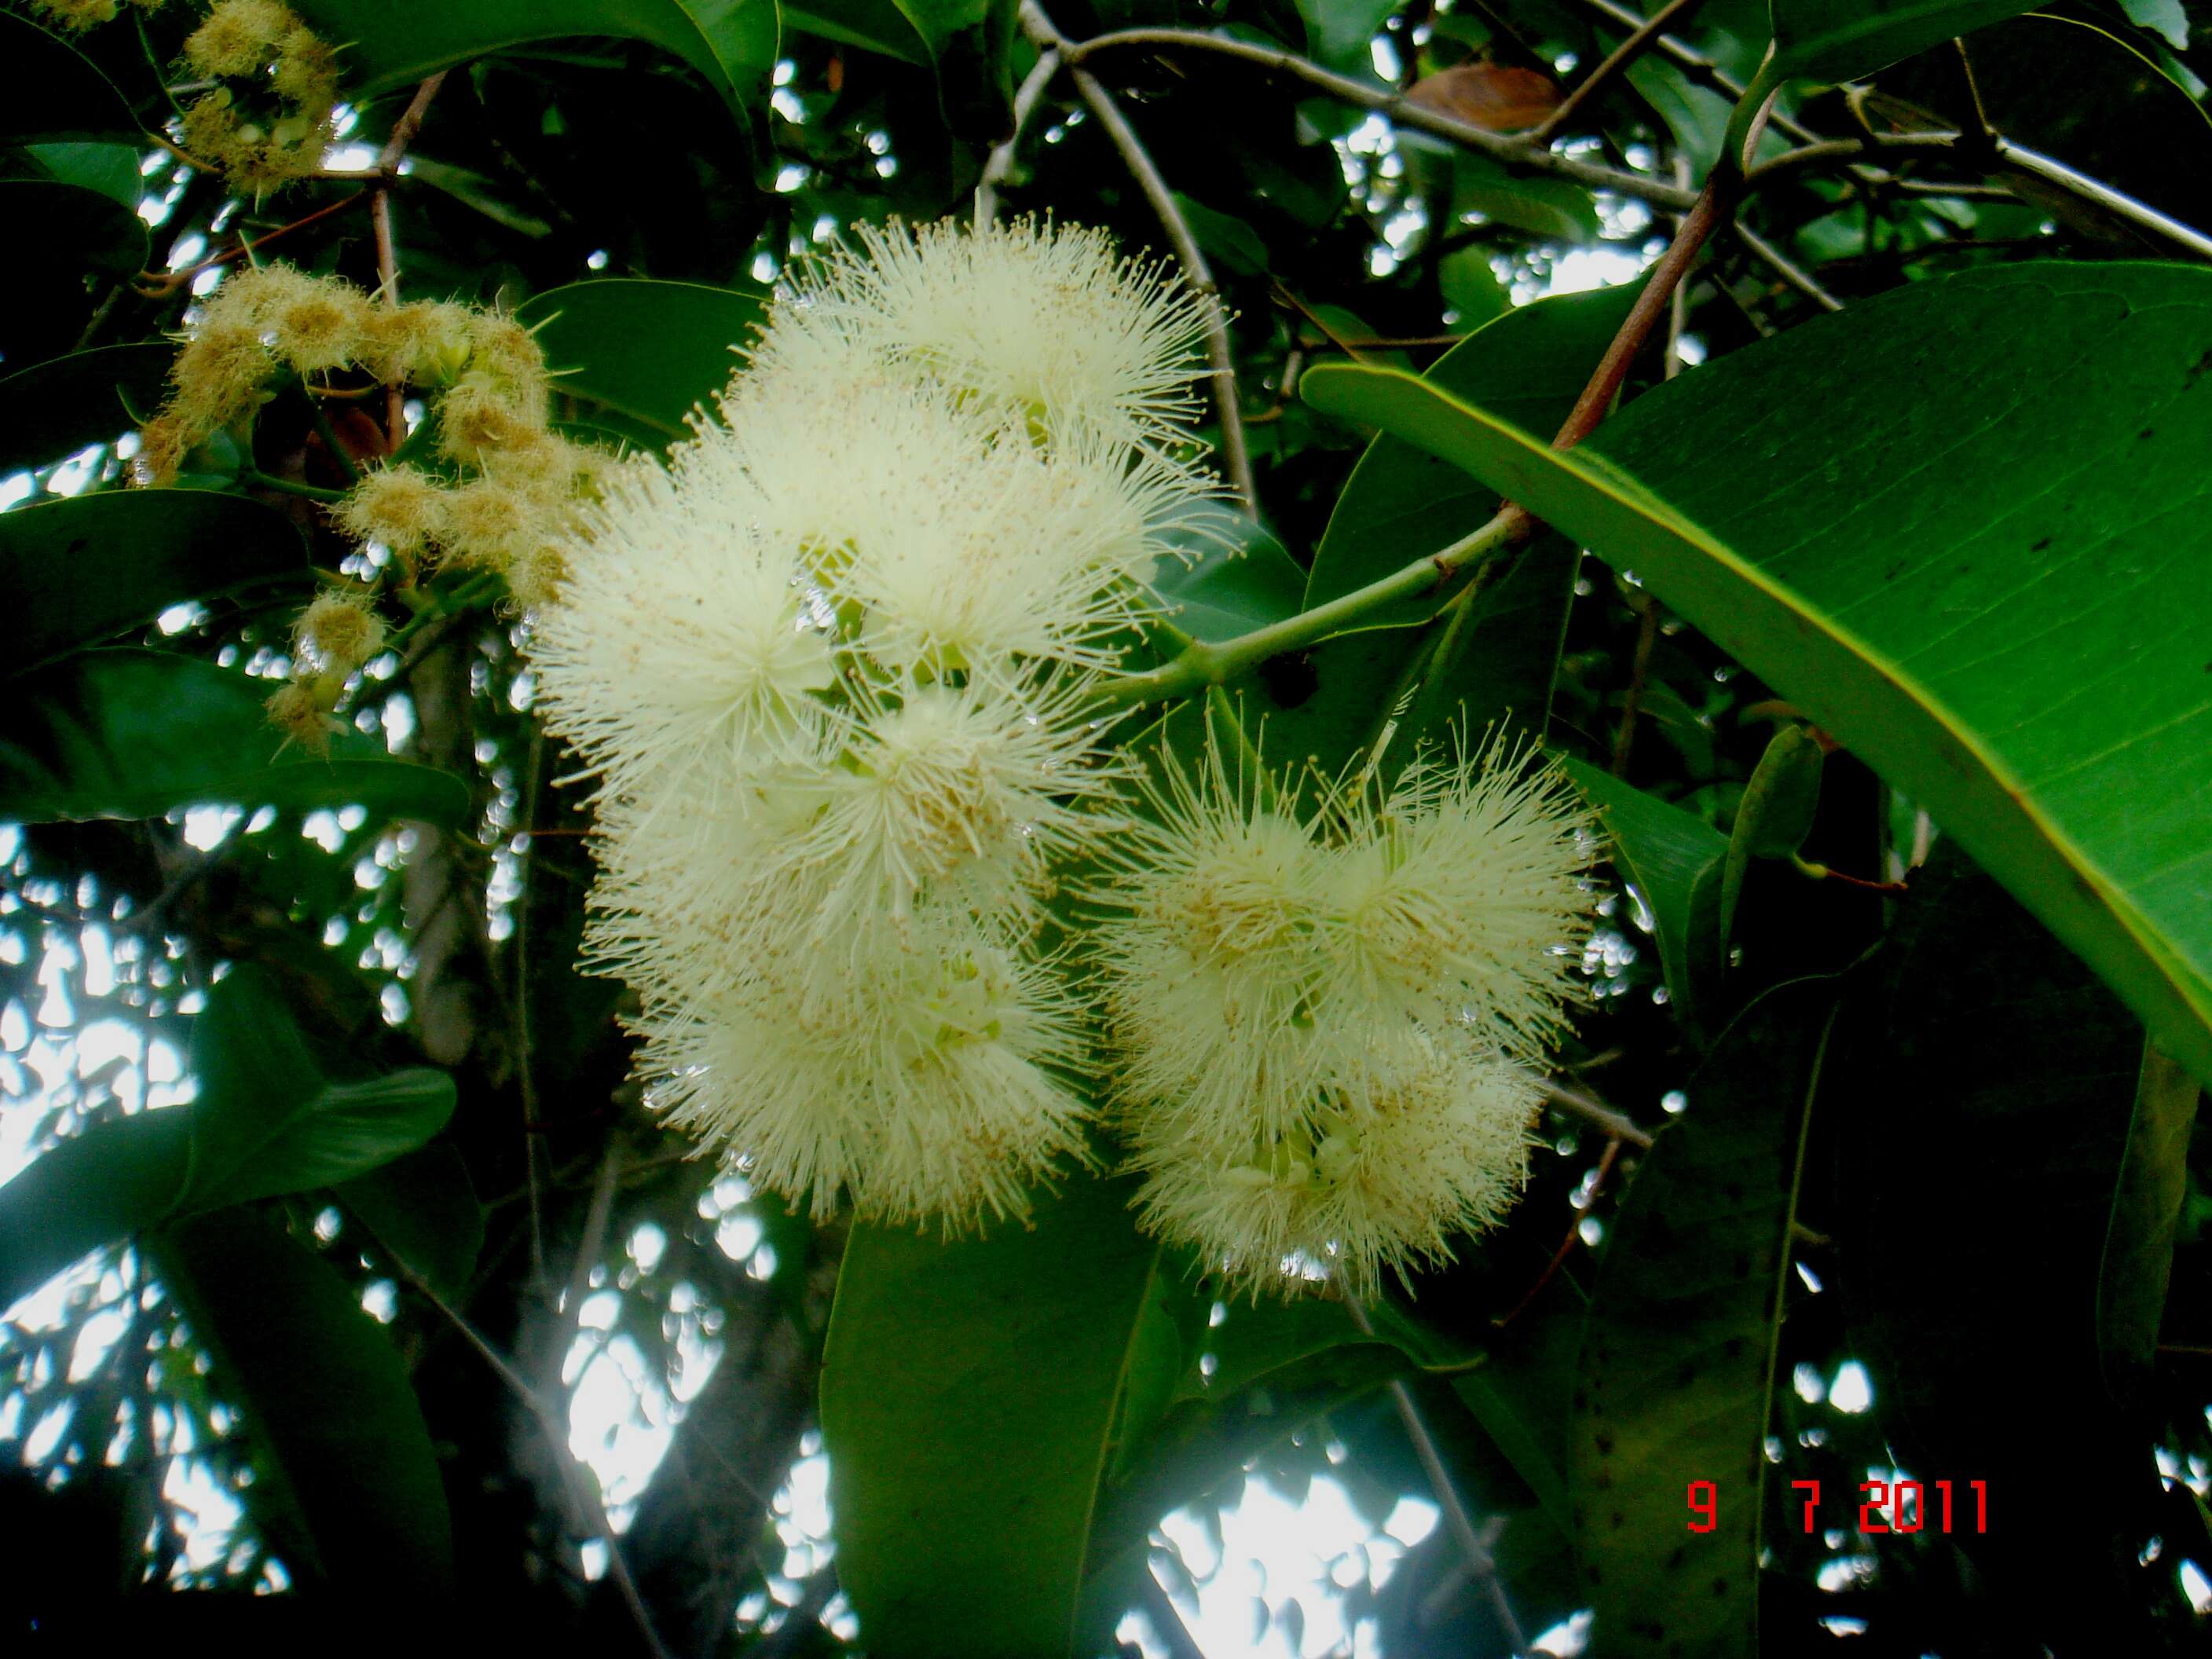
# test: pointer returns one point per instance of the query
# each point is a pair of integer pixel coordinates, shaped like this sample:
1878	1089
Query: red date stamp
1894	1506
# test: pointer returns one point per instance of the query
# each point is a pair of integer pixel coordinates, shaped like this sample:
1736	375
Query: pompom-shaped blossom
1212	967
339	632
684	635
1046	322
930	1090
237	36
401	506
1459	895
1426	1139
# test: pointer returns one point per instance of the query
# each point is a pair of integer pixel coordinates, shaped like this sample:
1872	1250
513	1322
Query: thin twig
1479	1561
1646	37
1514	153
1236	459
1001	160
1787	268
1639	674
1691	62
1678	303
583	1487
1605	1167
1575	1103
388	248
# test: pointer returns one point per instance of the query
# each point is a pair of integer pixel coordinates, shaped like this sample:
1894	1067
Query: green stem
1202	664
285	486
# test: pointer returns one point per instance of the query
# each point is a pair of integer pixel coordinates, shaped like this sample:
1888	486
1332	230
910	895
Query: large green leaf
133	734
1673	862
423	1209
648	350
394	43
268	1120
1987	581
55	408
352	1495
94	1188
1228	576
86	569
1987	1087
1483	665
879	25
969	1395
50	91
1842	39
970	40
265	1122
1676	1371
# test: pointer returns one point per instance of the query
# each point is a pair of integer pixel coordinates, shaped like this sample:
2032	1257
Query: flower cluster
1322	1016
268	119
497	488
831	666
84	14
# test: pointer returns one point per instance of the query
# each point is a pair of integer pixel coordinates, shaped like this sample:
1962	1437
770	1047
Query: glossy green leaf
351	1493
395	43
1775	815
133	734
56	408
423	1209
970	41
88	567
1231	576
1339	33
877	25
2167	18
1673	862
97	1188
1842	39
2138	1251
1905	589
1991	1055
651	351
1279	1343
1676	1373
969	1390
1401	501
265	1122
1551	208
50	91
111	169
268	1120
80	228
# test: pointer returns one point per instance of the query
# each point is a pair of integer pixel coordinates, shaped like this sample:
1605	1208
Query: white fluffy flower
1046	322
682	636
932	1089
1459	895
1424	1141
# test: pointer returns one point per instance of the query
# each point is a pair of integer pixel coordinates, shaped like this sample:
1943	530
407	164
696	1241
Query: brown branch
1692	63
1001	160
582	1485
1787	268
1639	673
1461	1524
1514	153
1645	38
1235	458
169	282
388	248
1593	1111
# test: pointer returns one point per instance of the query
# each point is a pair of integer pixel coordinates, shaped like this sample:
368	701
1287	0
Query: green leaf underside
265	1122
357	1499
268	1120
968	1395
1676	1370
1840	39
133	734
50	92
55	408
84	570
1983	1091
395	43
1675	861
649	351
2012	456
877	25
1238	577
94	1188
1401	502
